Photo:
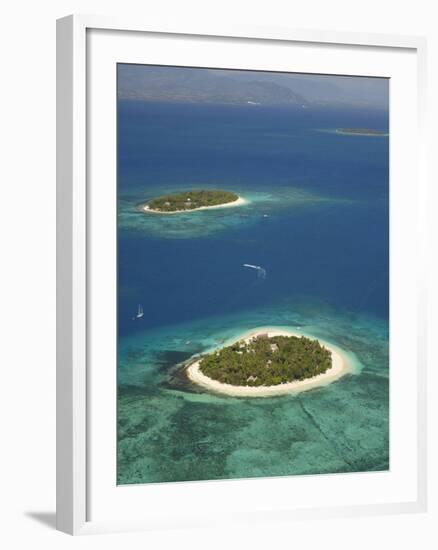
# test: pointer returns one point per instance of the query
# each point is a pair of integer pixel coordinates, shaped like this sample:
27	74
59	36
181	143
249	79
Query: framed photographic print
240	275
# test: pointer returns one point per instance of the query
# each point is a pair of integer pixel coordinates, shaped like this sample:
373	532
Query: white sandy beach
238	202
340	366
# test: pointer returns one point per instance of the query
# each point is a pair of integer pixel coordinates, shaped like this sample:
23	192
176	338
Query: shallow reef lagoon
316	221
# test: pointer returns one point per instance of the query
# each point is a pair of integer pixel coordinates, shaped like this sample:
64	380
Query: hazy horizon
184	84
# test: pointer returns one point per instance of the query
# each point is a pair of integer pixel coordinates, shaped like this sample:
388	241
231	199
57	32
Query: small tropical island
269	362
361	132
188	201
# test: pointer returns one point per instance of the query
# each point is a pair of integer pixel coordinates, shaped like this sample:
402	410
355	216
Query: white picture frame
74	291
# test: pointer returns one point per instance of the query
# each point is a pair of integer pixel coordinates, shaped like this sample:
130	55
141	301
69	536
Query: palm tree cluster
264	361
188	200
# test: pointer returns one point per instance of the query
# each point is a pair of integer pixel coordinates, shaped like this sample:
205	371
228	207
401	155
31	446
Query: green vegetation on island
190	200
267	361
362	131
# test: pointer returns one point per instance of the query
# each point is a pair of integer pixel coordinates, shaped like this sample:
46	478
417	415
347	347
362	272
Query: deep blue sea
316	220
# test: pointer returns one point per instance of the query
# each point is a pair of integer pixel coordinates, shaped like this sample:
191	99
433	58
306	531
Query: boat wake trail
261	272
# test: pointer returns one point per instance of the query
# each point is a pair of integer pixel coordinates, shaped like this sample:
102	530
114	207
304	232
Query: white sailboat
139	312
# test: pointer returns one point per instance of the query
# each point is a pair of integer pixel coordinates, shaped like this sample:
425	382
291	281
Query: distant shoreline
238	202
341	366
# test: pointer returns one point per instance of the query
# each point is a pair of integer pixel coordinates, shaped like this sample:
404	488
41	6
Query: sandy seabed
238	202
341	366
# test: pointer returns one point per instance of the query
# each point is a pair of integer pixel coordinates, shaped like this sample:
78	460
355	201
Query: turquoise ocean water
317	221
